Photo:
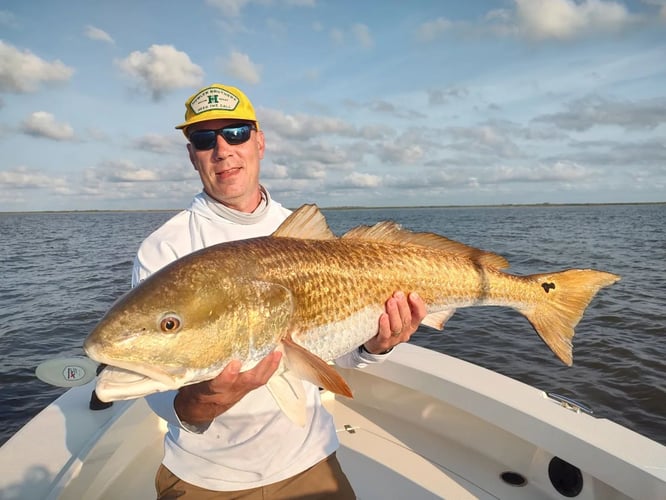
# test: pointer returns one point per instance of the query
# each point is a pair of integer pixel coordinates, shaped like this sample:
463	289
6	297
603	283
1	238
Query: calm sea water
61	271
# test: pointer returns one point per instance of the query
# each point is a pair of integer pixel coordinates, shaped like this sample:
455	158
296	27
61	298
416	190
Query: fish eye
170	323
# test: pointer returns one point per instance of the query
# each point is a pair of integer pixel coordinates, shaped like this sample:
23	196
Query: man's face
230	174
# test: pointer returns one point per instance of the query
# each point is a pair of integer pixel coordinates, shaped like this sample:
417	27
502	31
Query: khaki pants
324	480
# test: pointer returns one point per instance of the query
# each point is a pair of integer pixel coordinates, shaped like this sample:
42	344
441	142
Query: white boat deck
408	434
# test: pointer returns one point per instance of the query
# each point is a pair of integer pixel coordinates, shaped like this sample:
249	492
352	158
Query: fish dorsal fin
391	232
308	223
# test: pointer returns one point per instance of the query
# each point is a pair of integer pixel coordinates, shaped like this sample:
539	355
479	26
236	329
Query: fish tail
564	297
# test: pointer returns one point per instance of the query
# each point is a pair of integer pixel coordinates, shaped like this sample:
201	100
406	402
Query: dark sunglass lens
237	134
234	135
203	139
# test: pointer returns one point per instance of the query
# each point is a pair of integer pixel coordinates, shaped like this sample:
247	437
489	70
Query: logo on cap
213	98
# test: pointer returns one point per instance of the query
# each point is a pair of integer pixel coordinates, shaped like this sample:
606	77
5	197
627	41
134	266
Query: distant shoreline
359	207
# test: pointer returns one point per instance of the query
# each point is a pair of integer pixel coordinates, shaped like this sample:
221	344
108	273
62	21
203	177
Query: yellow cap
217	102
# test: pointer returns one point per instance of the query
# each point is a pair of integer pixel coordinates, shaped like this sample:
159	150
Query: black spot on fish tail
548	286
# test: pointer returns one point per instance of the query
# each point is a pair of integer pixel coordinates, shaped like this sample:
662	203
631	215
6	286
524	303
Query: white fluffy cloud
240	66
43	124
21	71
162	68
563	19
24	178
361	180
540	20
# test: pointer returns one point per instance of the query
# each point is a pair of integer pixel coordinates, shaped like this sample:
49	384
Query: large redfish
314	296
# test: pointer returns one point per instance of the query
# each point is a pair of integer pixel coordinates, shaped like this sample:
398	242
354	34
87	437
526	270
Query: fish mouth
116	383
126	380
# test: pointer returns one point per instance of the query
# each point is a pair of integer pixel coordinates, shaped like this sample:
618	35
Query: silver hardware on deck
570	404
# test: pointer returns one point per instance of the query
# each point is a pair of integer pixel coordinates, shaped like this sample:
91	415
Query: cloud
23	72
431	30
274	171
240	66
160	144
585	113
337	36
158	186
649	153
121	181
358	33
362	35
539	20
558	171
161	68
43	124
394	107
438	97
303	126
230	8
8	19
361	180
399	153
565	19
98	34
301	3
130	173
234	8
24	178
484	139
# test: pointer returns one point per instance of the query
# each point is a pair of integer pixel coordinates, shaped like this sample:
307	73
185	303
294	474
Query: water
61	271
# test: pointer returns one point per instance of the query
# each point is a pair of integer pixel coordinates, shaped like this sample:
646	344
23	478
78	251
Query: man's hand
200	403
401	319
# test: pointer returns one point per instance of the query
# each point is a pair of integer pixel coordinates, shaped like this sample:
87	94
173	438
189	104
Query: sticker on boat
67	372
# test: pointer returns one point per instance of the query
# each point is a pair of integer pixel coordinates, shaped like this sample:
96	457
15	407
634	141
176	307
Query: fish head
183	325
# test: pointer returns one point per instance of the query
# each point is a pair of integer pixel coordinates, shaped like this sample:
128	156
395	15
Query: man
226	437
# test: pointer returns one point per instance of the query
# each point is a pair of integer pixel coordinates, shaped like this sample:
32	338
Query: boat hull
422	425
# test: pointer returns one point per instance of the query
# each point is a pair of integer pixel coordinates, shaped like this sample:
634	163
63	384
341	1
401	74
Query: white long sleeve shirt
253	443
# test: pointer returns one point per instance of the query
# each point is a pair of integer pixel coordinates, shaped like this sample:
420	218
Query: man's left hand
401	319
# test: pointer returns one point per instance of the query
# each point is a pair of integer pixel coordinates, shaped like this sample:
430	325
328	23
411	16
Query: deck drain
513	478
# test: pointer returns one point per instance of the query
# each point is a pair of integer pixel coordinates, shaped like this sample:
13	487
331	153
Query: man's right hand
199	404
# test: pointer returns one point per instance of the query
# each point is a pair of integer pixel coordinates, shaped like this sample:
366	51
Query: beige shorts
324	480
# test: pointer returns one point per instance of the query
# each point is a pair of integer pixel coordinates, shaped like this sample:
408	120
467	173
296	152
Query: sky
363	103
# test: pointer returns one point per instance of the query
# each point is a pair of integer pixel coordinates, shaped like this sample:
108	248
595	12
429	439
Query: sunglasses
234	135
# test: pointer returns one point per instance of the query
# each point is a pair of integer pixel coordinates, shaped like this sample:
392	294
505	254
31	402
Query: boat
422	425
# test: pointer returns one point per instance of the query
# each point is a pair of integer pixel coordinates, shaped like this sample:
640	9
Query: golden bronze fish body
304	287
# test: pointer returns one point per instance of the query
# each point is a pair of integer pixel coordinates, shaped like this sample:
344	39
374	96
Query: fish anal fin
307	222
289	394
391	232
438	319
313	369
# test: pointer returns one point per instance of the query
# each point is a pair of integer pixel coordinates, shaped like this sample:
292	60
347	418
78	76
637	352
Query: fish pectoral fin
313	369
289	394
438	320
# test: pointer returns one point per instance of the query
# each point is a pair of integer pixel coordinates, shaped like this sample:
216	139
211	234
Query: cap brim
200	119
